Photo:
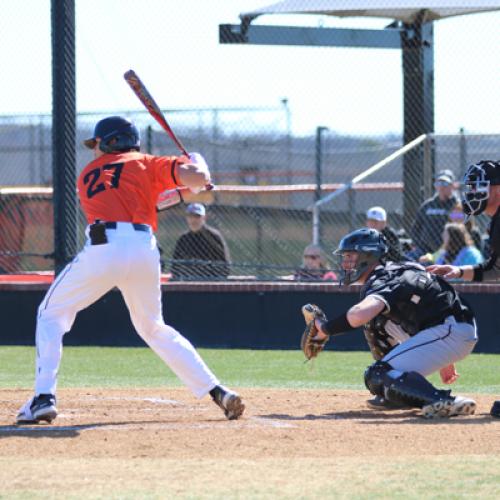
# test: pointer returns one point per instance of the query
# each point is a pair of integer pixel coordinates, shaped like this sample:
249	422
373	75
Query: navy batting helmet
116	133
476	186
371	247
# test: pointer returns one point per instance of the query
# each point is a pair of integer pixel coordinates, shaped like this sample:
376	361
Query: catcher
430	326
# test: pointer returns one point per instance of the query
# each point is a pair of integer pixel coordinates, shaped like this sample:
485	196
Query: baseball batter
118	192
480	193
430	325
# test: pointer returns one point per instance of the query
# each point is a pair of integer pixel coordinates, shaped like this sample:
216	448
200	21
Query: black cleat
41	408
229	401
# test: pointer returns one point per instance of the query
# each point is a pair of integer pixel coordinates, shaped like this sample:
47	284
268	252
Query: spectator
314	266
458	248
376	218
203	245
457	215
433	215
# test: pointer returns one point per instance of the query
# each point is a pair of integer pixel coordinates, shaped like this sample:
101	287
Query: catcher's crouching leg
416	390
413	389
375	376
405	388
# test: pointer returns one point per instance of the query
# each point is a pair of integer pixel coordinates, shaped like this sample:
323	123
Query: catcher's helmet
476	186
370	246
116	133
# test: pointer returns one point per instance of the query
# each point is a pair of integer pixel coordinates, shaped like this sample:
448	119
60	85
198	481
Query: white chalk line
160	401
245	423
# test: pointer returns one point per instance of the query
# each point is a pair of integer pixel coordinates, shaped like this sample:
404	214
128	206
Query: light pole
319	161
288	156
319	174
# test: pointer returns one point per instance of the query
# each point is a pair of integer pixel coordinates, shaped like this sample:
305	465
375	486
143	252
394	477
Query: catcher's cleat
38	409
380	403
495	409
449	407
229	401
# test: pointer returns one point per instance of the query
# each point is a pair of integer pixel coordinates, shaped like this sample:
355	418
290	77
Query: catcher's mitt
310	347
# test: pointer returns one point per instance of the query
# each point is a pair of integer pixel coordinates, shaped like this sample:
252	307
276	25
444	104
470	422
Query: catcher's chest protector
415	297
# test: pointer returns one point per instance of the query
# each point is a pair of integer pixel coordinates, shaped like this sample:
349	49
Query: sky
173	46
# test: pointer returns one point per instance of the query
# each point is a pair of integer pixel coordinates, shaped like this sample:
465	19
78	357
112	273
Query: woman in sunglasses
314	266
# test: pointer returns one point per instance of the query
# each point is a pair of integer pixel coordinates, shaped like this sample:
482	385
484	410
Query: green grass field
136	367
377	474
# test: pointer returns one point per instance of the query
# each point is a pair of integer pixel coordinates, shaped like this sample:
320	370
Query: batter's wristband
337	325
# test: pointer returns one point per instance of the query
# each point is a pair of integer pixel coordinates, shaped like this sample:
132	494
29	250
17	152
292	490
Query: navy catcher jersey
414	299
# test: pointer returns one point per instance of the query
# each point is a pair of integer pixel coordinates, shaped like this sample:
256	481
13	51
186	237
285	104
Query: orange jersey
124	187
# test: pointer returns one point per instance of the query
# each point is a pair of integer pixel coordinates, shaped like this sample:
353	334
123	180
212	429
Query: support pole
64	132
417	41
319	179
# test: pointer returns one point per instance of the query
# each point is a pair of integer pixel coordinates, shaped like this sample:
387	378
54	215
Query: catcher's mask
117	134
476	186
370	247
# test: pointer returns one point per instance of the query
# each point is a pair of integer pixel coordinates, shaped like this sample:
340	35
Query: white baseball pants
130	262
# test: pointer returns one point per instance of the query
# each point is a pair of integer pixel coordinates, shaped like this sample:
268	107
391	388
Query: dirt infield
301	423
119	442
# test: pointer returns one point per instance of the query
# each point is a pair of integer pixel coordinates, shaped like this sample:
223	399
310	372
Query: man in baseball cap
202	252
444	178
432	215
196	209
376	218
377	214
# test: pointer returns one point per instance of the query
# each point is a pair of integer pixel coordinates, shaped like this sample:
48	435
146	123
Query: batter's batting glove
198	160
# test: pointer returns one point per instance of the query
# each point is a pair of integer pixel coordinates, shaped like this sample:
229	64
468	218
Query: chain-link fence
271	171
268	182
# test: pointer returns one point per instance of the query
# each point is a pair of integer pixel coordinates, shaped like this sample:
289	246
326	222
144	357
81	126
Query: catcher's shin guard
495	409
375	377
412	389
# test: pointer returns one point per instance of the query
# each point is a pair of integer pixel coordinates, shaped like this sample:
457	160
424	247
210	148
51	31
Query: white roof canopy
406	11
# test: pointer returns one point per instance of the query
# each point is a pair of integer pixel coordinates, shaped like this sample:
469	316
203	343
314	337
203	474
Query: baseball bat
145	97
174	196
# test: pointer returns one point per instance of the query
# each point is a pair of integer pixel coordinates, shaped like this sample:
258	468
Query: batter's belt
136	226
97	231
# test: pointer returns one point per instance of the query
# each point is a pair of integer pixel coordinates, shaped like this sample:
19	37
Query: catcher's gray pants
434	348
